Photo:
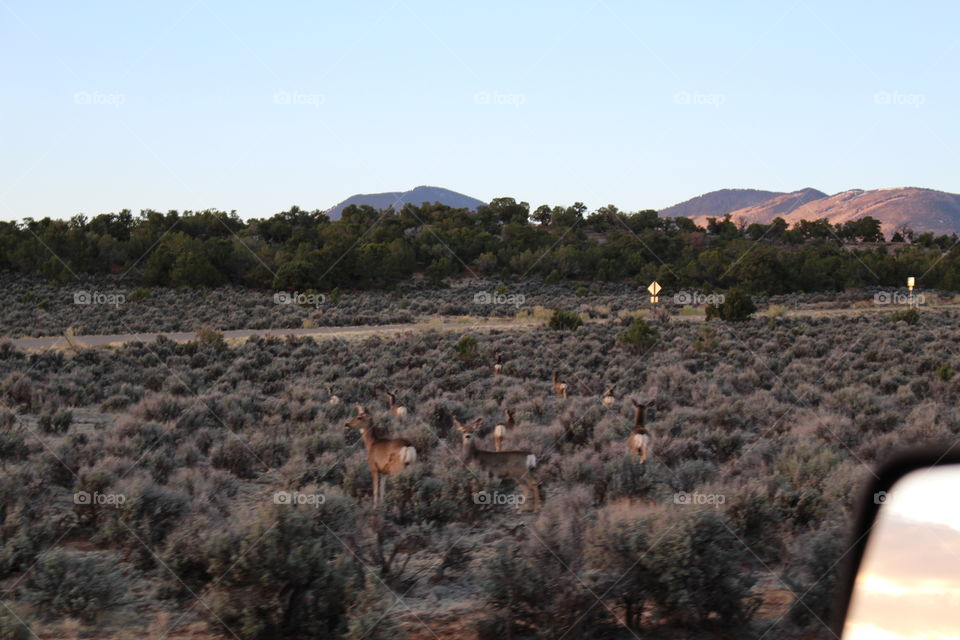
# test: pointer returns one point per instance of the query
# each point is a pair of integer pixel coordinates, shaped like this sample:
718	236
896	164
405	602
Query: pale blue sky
192	105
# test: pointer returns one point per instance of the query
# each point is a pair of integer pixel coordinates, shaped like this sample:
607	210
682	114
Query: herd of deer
386	456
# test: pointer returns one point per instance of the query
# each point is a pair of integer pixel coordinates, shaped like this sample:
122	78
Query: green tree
467	350
640	336
737	306
564	321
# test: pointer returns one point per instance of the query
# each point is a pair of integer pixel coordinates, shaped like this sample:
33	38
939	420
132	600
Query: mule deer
396	409
559	388
608	398
640	443
519	466
385	456
498	365
501	428
333	400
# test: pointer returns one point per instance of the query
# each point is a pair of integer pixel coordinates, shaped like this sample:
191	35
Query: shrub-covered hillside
162	489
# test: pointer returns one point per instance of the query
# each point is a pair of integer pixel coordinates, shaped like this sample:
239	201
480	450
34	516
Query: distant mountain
718	203
397	199
920	209
766	210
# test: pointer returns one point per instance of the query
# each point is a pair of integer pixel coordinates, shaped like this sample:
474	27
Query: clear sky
193	105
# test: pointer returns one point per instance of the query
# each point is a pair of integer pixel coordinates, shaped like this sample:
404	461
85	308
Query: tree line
366	248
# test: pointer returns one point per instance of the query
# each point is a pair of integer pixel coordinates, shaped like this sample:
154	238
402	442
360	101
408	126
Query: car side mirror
902	578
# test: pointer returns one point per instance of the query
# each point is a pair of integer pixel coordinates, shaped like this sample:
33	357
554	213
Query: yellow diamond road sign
654	288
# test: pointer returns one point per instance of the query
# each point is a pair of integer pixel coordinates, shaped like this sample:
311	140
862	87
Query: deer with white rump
385	456
498	365
608	398
519	466
503	428
396	409
559	387
640	443
332	398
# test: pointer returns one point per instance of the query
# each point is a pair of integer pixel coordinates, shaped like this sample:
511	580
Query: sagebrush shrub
283	575
75	584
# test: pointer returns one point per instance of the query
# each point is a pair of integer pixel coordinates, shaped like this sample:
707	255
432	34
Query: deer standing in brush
396	409
640	443
519	466
498	365
332	400
385	456
502	428
608	398
559	388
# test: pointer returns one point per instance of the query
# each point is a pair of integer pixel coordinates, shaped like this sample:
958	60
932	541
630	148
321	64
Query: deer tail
531	462
408	455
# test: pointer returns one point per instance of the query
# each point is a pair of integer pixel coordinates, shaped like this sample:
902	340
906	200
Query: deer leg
383	485
496	441
376	486
527	495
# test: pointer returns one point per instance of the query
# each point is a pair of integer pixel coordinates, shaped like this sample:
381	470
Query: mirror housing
886	476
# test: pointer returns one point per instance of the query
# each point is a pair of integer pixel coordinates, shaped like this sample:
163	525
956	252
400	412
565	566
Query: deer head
361	421
467	430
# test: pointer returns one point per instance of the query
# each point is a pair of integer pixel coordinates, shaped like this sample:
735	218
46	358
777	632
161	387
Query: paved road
61	342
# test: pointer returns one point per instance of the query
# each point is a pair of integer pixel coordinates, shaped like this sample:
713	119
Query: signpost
654	289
